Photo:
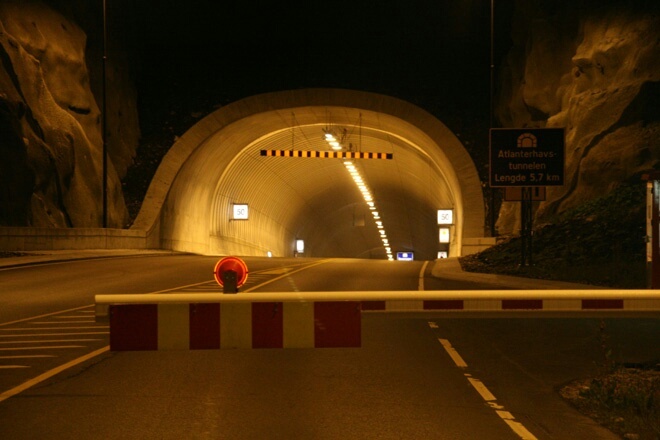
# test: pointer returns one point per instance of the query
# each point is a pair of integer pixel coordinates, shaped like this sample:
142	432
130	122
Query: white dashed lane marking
484	392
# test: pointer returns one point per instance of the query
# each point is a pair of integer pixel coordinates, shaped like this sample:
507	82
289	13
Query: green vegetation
600	243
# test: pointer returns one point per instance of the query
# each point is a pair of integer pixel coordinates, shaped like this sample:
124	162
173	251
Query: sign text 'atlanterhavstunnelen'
527	157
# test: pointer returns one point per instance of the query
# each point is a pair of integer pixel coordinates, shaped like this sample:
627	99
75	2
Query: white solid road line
48	374
421	276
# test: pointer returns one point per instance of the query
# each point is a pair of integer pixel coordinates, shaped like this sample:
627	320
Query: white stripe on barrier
236	325
558	298
298	328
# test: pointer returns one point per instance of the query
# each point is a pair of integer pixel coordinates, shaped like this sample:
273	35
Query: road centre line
484	392
62	322
175	289
481	388
453	354
13	367
285	275
48	374
517	427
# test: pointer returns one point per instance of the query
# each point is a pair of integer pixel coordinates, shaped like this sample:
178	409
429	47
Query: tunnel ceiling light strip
368	198
326	154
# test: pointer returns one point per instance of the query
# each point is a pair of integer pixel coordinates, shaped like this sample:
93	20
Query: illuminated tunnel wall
218	163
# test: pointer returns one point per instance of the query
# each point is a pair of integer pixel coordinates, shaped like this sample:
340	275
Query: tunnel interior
219	163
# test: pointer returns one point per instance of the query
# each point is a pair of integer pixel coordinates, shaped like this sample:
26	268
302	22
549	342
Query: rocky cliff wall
595	72
50	124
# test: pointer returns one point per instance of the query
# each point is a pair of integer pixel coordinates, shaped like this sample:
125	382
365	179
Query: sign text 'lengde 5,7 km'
527	157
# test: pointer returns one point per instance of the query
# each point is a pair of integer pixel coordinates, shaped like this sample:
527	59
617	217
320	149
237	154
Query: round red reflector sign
231	263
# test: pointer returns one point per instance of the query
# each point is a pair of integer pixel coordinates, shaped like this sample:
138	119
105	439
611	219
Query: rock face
597	74
50	125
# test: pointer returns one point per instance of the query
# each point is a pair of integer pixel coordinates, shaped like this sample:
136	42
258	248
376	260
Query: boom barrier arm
326	319
652	296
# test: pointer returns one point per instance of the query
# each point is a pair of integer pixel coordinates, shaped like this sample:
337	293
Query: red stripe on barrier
444	304
133	327
373	305
602	304
522	304
337	324
267	325
204	326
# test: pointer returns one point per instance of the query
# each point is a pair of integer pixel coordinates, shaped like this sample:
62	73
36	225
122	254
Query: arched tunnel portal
218	163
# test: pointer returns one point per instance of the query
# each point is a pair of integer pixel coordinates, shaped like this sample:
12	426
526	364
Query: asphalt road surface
421	376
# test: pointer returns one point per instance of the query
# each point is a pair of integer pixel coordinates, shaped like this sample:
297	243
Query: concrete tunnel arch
217	163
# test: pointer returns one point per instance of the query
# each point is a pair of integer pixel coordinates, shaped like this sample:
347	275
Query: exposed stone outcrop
51	125
597	74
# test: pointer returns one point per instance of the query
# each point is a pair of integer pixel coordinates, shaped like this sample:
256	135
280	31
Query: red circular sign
231	263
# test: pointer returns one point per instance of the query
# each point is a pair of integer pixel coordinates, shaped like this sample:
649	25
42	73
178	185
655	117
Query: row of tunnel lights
368	198
366	194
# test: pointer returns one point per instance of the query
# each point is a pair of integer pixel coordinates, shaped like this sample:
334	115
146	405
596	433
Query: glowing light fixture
335	141
368	198
444	235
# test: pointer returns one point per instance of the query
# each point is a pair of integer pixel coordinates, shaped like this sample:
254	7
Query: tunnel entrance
219	164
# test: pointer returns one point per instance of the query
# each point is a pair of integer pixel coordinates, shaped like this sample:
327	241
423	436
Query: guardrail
326	319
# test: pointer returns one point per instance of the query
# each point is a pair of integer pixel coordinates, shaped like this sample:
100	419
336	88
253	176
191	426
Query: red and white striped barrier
195	326
560	301
322	319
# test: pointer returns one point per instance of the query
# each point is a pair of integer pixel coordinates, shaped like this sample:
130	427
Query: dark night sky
432	53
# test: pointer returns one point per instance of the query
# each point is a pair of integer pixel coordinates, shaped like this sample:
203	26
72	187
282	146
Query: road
414	377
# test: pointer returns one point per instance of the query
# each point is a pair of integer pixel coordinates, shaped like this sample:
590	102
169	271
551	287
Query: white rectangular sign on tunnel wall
239	211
